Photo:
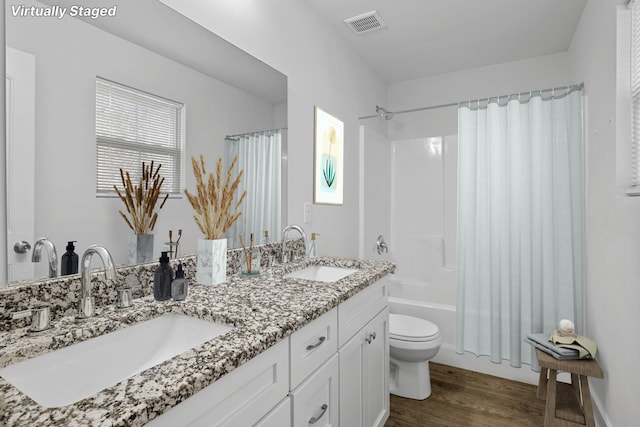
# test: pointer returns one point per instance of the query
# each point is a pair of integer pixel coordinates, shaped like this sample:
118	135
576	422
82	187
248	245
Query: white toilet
412	342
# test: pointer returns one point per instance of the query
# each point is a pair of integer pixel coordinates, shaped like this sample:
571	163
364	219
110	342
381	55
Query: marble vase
140	248
211	264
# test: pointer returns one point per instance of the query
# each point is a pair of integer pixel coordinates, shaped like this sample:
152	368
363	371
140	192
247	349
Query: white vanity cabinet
332	372
364	357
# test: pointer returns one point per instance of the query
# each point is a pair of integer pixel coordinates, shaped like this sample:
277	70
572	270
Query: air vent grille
366	22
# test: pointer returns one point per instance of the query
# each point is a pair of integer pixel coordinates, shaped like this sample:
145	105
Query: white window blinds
134	127
635	98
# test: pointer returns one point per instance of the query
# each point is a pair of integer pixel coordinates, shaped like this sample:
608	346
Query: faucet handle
381	245
40	319
124	298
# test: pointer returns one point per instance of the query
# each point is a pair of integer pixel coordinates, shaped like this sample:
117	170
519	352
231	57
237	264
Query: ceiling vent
366	22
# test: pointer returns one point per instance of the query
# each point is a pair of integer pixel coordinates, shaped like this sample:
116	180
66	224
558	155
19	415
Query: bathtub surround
520	223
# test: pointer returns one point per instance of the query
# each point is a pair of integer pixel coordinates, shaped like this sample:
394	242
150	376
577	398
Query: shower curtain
260	156
520	223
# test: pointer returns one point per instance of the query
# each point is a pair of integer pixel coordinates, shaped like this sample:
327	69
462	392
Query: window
634	39
134	127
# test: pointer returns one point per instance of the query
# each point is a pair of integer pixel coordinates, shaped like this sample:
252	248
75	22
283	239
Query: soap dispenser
162	279
179	285
69	262
313	246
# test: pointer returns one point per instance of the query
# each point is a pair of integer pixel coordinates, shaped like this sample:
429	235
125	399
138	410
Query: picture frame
328	171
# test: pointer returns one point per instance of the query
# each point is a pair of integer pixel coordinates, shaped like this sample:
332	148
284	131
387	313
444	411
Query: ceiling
428	37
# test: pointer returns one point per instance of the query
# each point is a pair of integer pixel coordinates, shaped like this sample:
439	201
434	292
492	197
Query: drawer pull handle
316	345
323	409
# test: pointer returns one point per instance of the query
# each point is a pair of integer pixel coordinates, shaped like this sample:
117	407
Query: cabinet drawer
315	402
355	312
242	397
312	345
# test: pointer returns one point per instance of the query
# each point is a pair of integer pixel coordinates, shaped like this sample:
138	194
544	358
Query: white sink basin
322	273
73	373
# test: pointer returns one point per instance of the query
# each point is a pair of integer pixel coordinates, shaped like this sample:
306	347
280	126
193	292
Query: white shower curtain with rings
520	223
260	156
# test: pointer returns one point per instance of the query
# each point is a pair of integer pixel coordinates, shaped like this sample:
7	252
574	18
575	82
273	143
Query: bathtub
428	301
410	297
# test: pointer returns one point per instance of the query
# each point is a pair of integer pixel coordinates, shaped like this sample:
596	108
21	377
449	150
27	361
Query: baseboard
599	414
484	365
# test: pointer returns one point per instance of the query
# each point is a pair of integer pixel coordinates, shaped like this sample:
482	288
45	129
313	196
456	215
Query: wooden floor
461	398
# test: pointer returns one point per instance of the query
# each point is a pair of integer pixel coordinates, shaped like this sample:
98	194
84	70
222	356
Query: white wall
613	222
499	79
289	36
69	55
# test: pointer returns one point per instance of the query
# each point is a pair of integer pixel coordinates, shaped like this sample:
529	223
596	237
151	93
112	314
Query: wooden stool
567	404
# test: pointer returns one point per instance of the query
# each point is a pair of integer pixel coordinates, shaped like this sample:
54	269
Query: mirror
148	46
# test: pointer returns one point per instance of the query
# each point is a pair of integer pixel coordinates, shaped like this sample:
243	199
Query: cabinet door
315	402
364	372
352	380
376	371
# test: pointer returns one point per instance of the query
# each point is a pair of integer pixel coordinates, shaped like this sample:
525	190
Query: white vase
211	264
140	248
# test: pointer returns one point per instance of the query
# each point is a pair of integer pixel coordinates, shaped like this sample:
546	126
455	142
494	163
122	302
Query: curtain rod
530	93
239	135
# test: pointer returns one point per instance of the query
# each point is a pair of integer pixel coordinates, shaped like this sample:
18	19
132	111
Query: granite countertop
263	311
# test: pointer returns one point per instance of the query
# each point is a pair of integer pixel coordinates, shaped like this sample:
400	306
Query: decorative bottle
69	261
162	279
313	246
179	286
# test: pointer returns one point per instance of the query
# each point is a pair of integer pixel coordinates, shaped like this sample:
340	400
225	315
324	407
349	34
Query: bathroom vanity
299	351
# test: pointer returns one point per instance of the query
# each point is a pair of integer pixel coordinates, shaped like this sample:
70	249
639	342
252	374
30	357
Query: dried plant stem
248	252
213	199
140	200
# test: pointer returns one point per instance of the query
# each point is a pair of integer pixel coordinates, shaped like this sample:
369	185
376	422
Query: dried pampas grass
140	200
213	201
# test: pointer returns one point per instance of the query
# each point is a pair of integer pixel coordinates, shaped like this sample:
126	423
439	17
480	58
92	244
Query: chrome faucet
51	254
85	308
284	240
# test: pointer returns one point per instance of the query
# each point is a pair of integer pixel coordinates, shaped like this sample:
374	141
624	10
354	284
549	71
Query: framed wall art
328	159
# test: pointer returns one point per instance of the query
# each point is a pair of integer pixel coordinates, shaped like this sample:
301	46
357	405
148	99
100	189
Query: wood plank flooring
462	398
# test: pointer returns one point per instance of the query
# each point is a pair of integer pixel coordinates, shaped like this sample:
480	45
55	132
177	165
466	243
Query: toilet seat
409	328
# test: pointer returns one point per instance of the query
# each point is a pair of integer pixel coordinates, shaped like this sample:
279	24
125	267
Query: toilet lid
409	328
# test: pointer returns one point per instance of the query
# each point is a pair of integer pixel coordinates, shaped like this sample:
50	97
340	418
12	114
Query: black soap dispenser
162	279
69	262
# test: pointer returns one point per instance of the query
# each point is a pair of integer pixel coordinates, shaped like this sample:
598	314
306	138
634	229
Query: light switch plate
307	213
